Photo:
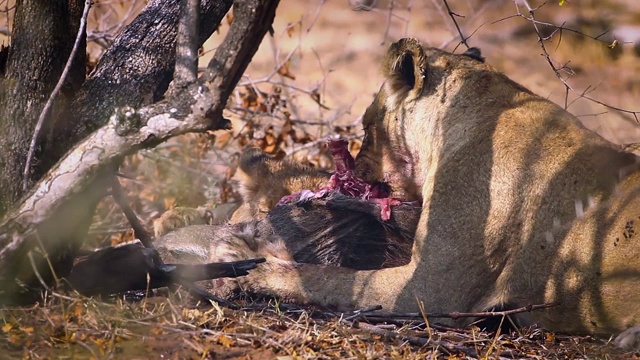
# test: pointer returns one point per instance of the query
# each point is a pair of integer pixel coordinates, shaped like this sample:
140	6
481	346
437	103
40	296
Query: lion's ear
404	67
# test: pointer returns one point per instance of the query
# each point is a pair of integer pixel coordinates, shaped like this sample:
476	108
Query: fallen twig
487	314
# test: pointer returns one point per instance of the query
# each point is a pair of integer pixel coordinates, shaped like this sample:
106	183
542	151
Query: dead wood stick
119	197
486	314
361	312
456	315
414	340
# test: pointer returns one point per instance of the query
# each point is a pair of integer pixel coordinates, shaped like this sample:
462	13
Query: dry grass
173	328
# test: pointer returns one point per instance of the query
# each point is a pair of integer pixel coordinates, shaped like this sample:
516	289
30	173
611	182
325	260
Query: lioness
263	180
520	204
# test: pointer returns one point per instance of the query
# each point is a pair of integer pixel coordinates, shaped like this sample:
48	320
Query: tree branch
118	195
135	71
252	19
463	39
186	70
564	67
43	37
50	211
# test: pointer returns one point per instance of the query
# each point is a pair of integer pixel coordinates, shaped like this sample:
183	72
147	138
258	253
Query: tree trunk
41	235
135	71
43	36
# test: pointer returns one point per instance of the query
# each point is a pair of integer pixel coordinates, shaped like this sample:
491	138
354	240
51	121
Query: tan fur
521	204
264	180
179	217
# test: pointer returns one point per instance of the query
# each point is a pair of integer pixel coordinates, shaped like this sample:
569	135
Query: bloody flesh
345	181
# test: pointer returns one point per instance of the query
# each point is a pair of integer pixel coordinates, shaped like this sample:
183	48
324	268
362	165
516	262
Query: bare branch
414	340
558	70
135	71
487	314
121	199
73	186
388	23
251	22
463	39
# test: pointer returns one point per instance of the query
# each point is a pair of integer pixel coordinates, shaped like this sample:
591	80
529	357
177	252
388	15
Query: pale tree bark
43	232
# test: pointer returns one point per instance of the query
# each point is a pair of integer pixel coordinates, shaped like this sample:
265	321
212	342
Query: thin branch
541	41
463	39
119	197
388	22
54	93
557	70
476	14
560	28
486	314
354	321
418	316
358	313
414	340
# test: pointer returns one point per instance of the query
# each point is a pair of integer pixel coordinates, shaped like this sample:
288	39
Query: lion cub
264	180
179	217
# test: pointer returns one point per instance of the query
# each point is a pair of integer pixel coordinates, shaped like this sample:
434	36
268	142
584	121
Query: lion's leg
396	289
282	277
343	288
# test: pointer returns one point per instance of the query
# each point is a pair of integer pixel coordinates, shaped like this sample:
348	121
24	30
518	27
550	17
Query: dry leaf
223	139
15	340
169	202
225	341
7	327
284	70
157	331
291	29
100	342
